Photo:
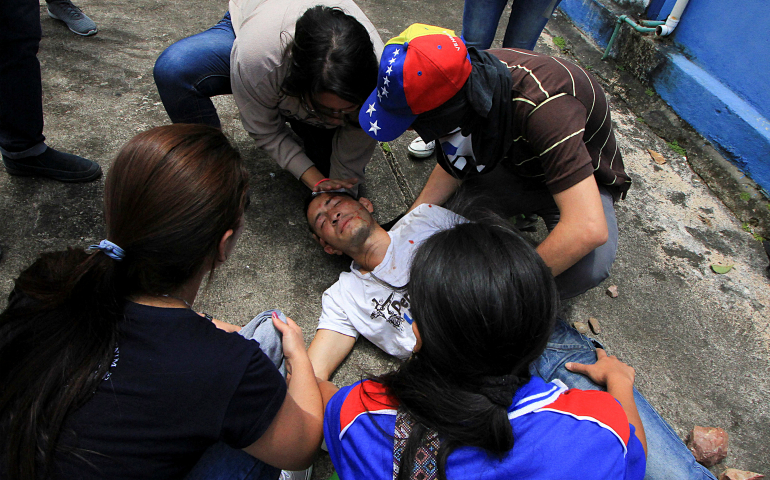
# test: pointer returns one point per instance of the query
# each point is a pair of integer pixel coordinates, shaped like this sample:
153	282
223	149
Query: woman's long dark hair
485	304
331	52
170	196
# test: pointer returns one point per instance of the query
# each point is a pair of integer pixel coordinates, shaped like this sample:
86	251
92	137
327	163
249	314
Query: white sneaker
419	149
296	475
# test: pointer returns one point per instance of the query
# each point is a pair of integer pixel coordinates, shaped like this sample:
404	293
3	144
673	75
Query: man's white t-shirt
376	304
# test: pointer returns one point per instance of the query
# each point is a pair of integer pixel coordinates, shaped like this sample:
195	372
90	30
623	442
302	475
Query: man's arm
327	351
439	188
581	229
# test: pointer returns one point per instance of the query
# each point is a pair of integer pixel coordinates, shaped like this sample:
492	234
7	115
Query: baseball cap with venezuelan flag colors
420	70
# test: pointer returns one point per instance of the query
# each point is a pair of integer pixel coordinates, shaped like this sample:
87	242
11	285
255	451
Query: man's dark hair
331	52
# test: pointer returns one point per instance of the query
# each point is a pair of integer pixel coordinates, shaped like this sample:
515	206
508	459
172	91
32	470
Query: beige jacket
258	65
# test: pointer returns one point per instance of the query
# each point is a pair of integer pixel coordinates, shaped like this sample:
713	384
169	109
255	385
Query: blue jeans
667	457
528	18
222	462
21	90
194	69
510	195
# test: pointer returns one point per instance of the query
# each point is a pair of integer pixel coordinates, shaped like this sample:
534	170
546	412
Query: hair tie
499	390
110	249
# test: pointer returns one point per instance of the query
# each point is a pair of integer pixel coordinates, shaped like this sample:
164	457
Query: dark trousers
21	91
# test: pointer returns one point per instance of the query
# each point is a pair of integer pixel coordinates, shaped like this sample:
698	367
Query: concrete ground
700	342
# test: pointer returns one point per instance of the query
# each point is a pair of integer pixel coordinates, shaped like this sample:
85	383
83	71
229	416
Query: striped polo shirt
562	124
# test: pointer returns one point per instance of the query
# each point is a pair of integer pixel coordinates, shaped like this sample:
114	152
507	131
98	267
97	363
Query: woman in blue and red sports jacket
465	406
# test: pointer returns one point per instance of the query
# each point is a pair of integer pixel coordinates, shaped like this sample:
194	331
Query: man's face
340	222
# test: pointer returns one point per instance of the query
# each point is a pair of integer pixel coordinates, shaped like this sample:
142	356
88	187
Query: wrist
320	182
619	382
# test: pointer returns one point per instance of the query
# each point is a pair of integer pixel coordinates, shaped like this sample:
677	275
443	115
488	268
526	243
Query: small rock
594	324
708	445
735	474
612	291
581	327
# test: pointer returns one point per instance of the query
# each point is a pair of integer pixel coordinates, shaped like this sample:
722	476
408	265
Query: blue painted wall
717	78
730	40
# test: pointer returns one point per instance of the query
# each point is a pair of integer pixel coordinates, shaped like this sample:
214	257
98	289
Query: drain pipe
648	26
673	19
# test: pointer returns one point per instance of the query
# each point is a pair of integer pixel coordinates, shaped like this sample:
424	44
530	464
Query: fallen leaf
386	147
659	159
721	269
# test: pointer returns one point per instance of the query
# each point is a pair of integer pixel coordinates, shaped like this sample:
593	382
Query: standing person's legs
22	143
480	19
527	21
21	91
194	69
222	462
667	457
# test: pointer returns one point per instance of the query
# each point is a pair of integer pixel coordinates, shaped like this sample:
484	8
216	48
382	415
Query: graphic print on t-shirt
394	309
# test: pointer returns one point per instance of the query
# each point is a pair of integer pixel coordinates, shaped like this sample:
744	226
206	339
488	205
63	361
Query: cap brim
380	124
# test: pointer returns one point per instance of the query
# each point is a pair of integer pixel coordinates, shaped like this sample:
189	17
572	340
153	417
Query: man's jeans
528	18
221	462
667	457
21	92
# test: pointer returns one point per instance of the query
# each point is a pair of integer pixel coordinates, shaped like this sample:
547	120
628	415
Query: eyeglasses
321	112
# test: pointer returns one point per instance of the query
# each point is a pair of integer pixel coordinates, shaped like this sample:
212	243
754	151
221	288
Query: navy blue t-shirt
177	385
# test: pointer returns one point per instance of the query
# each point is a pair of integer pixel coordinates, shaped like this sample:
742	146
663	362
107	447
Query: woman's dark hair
170	196
485	304
331	52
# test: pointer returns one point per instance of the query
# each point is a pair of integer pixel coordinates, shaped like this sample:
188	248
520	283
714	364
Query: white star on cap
373	127
386	81
396	52
384	92
379	95
389	70
371	109
392	60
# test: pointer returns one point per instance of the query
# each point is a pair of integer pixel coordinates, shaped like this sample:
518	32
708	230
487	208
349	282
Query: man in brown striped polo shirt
533	132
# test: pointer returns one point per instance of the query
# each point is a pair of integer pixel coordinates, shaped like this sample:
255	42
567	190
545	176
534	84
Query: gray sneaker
76	20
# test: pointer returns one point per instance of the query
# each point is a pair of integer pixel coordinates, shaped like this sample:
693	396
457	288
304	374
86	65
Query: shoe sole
22	173
87	34
420	154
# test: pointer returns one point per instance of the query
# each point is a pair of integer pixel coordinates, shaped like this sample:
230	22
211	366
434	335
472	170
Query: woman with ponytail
106	370
465	405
